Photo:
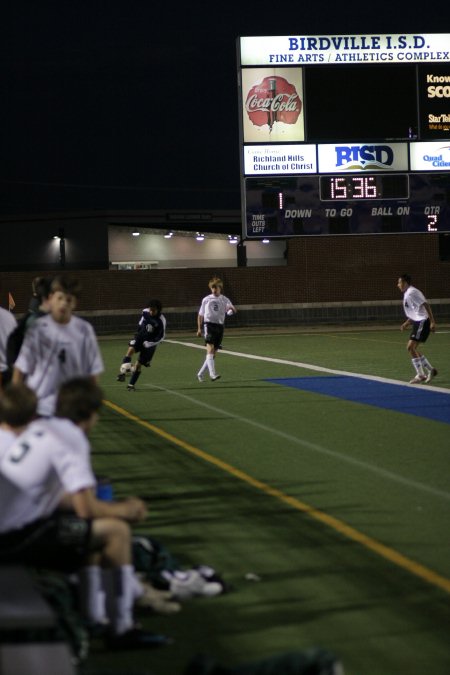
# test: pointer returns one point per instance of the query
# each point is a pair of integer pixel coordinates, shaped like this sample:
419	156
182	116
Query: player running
210	320
151	331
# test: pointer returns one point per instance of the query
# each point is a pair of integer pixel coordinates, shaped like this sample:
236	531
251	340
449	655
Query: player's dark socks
126	359
135	376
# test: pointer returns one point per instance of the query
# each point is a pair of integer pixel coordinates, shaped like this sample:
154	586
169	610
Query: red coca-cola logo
273	100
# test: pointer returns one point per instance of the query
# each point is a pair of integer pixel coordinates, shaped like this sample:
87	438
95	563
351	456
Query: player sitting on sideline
50	517
150	332
17	409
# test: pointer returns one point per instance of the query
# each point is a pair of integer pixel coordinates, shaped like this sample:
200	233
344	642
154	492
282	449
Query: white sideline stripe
306	444
309	366
294	439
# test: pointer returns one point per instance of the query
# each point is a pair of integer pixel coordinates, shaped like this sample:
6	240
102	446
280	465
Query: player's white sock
120	586
417	363
211	365
426	365
138	588
92	595
203	368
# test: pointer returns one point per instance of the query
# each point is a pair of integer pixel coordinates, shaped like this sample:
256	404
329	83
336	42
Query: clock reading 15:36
364	187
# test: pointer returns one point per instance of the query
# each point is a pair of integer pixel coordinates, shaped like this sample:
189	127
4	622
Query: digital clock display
291	206
364	187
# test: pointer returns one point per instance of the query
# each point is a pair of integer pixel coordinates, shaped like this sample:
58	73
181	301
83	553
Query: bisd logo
367	157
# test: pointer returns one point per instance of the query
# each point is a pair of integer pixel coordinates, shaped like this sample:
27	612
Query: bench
23	609
21	605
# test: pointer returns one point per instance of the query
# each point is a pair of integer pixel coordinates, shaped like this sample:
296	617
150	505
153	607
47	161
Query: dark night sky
133	105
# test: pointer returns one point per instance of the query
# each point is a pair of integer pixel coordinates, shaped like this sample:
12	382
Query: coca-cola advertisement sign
272	105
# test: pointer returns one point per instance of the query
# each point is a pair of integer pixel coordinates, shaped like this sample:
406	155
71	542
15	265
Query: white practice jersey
214	308
7	438
413	300
7	324
50	458
53	353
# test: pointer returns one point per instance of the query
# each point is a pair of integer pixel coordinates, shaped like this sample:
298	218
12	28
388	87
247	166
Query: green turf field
340	507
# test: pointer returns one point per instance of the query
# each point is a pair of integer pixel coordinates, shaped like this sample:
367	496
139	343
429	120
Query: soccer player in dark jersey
150	332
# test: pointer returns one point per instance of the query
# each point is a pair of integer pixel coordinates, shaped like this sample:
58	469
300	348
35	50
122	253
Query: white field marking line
314	447
309	366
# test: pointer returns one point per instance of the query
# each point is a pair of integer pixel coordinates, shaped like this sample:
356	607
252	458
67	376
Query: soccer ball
126	368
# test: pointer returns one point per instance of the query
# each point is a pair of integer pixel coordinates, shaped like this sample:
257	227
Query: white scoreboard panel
344	134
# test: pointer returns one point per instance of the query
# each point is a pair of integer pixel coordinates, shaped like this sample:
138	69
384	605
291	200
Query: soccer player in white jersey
57	347
420	316
50	517
210	322
17	409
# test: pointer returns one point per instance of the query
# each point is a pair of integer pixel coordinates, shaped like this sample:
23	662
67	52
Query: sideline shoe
97	630
418	379
136	638
216	377
131	387
210	574
200	377
188	584
120	377
432	373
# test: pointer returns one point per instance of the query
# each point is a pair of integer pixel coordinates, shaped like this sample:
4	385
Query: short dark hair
18	404
66	284
78	399
155	304
42	287
406	277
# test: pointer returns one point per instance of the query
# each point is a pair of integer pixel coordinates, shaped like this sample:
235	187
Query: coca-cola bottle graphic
273	92
273	100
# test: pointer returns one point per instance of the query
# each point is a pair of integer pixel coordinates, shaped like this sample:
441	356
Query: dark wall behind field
319	270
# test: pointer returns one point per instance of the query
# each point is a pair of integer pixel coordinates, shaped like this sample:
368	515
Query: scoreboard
344	134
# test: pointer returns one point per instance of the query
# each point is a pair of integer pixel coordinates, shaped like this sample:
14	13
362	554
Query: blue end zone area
410	400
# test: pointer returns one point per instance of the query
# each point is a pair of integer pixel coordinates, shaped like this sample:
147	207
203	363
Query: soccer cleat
120	377
188	584
432	373
131	387
216	377
136	638
200	377
418	379
210	574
